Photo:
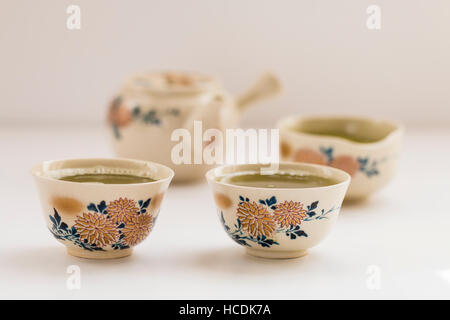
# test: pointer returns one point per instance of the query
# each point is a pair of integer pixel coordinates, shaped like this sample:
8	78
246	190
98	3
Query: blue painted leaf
293	236
314	205
363	161
146	203
64	226
92	207
116	131
136	111
311	213
262	202
241	198
53	221
57	217
272	201
301	233
273	207
102	206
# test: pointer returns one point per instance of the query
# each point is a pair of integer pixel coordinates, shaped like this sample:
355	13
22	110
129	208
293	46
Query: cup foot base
276	254
100	255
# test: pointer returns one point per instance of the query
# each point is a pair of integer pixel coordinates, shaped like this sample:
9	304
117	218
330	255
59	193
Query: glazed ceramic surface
150	107
278	223
100	221
372	165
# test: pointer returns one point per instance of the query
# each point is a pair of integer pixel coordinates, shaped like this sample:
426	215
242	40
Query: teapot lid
171	82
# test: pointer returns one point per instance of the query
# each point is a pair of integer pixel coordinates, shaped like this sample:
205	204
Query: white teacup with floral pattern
371	163
95	220
278	222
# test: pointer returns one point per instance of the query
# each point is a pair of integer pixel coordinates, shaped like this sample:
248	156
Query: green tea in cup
107	178
355	137
355	130
277	180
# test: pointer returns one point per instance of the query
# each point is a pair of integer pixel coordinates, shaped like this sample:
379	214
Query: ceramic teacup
96	220
365	148
278	222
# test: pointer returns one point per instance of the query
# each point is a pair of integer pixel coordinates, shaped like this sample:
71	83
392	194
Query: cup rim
37	172
398	130
345	177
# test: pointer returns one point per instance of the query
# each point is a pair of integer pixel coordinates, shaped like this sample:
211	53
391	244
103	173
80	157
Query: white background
55	85
322	50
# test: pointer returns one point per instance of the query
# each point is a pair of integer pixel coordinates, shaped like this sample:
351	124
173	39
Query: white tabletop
395	245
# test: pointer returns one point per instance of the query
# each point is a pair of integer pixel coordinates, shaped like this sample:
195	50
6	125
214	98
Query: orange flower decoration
309	156
285	149
119	114
96	229
178	79
122	210
289	213
255	219
222	200
137	229
346	163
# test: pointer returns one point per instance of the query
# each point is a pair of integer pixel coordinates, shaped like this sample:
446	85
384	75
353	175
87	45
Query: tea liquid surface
107	178
278	180
341	134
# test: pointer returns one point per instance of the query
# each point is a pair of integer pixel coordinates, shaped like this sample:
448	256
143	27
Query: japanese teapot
151	106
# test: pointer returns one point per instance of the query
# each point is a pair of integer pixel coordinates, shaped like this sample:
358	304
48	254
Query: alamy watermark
73	21
373	21
236	146
373	280
74	280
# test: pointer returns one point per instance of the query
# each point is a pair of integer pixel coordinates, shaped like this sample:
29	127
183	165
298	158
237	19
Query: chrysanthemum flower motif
285	149
289	213
137	229
309	156
255	219
96	229
119	115
122	210
346	163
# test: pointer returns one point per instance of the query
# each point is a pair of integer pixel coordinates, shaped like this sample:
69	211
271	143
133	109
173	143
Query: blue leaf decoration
102	206
146	203
57	217
92	207
53	221
313	205
272	201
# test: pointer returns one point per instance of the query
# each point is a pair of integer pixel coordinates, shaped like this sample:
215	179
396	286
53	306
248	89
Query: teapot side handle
266	86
